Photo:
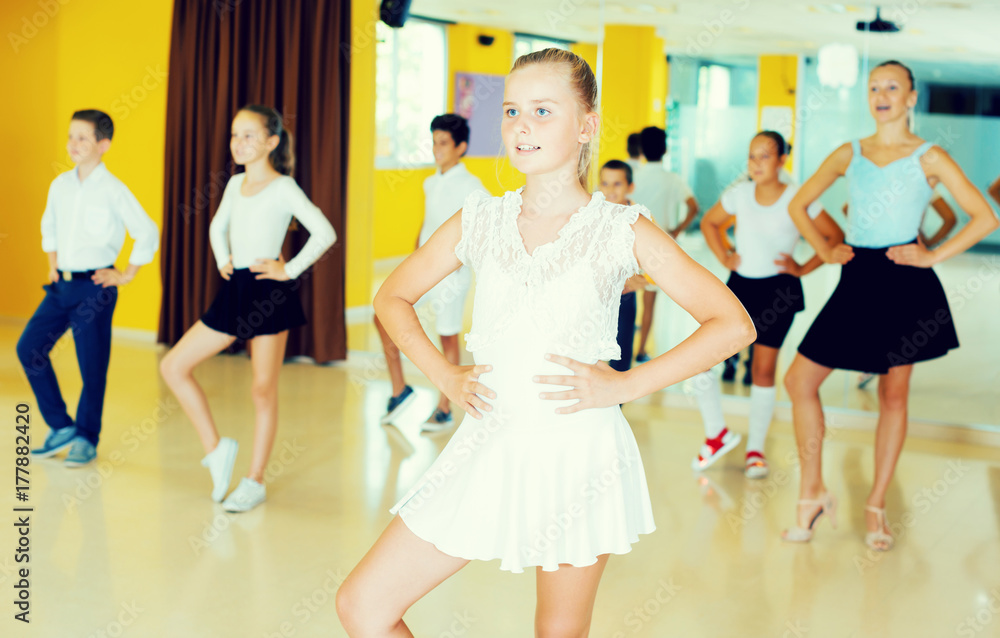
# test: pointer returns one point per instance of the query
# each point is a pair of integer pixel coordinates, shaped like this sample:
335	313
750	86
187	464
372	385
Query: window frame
394	161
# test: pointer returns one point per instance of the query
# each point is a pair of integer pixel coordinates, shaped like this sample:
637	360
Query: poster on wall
478	98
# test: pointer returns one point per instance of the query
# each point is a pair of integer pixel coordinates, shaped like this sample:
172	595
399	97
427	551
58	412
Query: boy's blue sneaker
398	403
55	442
439	422
82	453
642	358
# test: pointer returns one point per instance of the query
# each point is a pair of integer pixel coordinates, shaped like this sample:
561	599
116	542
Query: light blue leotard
888	202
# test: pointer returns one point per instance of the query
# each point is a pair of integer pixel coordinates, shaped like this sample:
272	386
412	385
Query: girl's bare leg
395	573
265	358
566	600
177	366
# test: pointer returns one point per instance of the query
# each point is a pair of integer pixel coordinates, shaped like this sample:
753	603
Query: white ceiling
961	36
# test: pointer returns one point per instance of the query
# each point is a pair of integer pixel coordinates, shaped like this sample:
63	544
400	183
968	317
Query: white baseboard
359	314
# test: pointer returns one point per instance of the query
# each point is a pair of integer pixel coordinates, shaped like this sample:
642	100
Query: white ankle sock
761	412
706	390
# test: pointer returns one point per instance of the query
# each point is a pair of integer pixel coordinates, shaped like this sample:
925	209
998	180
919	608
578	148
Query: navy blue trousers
85	308
626	332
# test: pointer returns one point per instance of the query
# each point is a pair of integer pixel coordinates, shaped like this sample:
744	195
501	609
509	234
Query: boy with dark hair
83	229
634	151
616	185
663	193
444	194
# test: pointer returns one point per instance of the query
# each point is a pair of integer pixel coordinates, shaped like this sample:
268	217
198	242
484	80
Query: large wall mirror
729	68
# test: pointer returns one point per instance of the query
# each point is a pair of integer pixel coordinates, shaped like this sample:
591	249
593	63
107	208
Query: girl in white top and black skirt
765	278
889	310
258	301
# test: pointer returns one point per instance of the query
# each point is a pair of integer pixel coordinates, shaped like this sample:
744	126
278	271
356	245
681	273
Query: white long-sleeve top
251	228
85	222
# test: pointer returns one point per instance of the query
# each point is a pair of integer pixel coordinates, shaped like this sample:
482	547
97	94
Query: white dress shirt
662	192
254	227
84	223
444	195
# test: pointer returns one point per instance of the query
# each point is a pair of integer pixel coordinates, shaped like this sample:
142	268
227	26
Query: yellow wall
31	148
634	86
776	86
72	63
361	155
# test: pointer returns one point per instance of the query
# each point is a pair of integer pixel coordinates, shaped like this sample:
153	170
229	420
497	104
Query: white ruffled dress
526	485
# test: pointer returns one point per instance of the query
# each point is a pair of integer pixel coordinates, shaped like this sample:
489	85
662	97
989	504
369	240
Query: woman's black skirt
246	307
880	316
771	303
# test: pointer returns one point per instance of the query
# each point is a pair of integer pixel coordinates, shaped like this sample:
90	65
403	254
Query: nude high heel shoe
828	505
879	541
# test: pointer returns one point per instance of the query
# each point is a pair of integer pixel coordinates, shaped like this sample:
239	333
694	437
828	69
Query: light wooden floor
133	546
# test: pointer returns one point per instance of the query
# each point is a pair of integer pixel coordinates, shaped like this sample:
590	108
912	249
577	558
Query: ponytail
282	158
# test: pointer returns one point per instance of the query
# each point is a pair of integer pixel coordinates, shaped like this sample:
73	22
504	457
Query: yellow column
361	155
776	93
634	86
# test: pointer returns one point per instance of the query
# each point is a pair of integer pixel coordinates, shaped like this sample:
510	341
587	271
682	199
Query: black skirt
246	307
881	315
771	303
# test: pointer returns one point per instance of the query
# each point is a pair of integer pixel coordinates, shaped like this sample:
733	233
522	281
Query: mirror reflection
711	76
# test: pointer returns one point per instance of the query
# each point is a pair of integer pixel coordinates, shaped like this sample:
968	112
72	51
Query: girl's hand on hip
461	385
732	261
595	385
227	270
911	255
270	269
839	254
788	265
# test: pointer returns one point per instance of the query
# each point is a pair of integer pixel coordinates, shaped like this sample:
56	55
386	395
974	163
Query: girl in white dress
544	471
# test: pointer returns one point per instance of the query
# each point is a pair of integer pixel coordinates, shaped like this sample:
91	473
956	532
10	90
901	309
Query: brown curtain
225	54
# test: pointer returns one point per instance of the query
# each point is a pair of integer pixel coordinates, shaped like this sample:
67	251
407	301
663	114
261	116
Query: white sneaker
220	463
247	495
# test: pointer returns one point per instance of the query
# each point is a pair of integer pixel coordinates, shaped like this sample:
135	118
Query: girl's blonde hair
584	85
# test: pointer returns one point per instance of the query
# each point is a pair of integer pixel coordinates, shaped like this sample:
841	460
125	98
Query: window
713	86
525	44
410	73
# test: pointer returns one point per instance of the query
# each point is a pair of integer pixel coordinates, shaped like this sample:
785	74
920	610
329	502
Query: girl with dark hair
257	302
889	310
765	279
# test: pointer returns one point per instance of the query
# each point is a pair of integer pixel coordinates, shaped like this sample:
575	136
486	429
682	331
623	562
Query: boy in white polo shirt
83	230
444	194
664	194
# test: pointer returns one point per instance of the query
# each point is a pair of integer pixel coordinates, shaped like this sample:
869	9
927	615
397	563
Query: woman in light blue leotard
889	310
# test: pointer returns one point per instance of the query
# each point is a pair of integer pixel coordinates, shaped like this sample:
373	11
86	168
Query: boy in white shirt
83	229
444	194
663	193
